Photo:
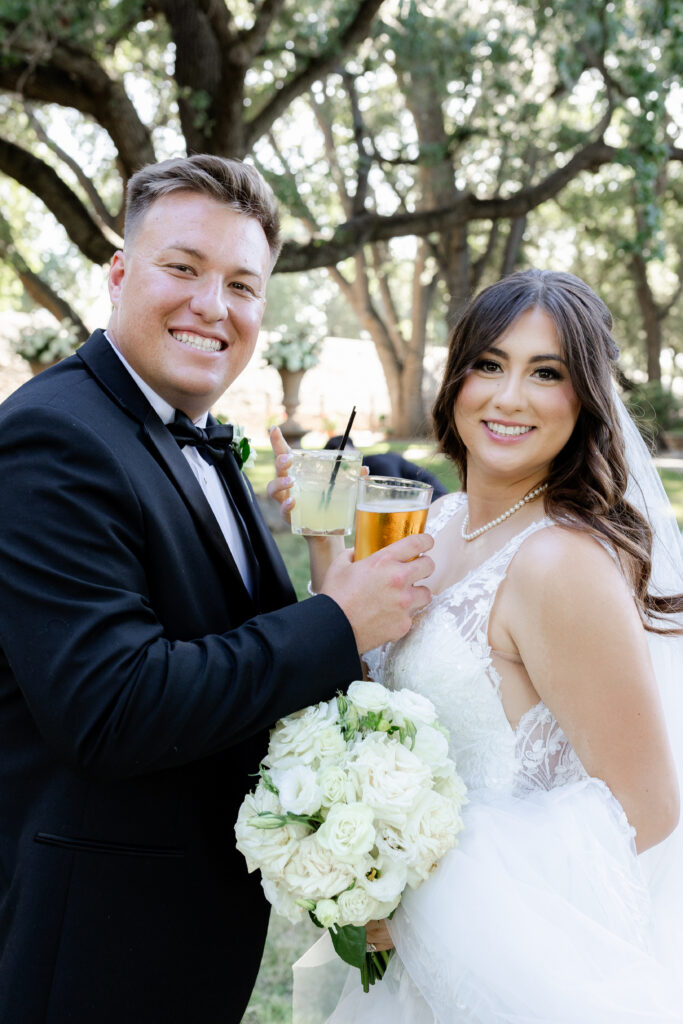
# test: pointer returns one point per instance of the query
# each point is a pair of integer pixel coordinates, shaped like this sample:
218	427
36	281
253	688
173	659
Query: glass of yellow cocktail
324	489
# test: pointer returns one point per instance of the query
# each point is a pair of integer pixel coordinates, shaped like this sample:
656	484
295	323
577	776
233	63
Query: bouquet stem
374	966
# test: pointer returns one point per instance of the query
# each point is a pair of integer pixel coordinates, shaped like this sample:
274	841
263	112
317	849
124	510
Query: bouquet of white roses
357	798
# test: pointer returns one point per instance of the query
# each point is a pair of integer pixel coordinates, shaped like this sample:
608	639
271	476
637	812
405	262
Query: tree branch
45	183
316	68
371	227
106	219
364	160
74	79
253	39
34	285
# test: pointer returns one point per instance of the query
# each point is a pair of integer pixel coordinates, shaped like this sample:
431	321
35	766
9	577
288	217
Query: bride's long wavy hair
588	478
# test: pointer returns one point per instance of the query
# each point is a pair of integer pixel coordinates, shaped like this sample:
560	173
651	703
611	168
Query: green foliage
47	344
655	409
292	350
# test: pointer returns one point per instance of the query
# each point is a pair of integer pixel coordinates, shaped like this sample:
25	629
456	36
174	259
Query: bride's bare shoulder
560	561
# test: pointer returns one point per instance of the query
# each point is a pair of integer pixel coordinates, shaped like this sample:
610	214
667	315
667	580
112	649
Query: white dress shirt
206	475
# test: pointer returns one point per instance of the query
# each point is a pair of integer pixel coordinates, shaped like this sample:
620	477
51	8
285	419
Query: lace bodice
447	657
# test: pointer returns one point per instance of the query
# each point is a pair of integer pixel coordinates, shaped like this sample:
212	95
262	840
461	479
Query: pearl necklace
501	519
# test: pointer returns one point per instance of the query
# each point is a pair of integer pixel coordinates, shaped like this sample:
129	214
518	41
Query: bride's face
517	407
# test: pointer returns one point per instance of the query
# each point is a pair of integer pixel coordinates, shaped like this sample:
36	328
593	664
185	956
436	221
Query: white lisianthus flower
430	831
431	746
348	832
282	901
327	913
336	786
294	740
357	907
267	849
386	880
314	873
298	789
391	779
413	706
368	696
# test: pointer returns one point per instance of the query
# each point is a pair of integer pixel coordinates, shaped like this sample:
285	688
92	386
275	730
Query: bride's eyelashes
492	367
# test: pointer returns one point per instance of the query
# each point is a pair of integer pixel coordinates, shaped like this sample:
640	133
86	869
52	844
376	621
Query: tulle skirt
541	915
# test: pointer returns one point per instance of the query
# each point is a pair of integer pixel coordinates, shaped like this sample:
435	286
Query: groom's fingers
380	594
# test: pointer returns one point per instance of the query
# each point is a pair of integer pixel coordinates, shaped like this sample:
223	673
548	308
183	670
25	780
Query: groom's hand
380	594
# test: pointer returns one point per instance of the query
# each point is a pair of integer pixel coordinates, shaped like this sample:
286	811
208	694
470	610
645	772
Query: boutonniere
241	448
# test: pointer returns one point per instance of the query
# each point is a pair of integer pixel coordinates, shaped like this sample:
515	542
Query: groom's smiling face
189	293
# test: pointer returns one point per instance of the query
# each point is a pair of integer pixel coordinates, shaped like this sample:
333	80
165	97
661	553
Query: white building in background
349	373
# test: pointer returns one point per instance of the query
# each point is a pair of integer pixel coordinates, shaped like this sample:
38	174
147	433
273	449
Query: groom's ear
117	272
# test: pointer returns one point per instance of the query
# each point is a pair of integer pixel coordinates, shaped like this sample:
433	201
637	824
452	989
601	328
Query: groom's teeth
499	428
197	341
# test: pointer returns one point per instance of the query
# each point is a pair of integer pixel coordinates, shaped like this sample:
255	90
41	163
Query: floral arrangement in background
357	799
295	349
49	343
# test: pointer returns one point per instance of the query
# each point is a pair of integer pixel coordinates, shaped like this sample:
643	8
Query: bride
552	651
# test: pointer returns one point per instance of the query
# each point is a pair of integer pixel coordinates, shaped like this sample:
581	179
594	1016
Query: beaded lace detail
447	657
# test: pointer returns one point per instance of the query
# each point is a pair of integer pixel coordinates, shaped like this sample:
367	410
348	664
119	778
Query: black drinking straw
337	461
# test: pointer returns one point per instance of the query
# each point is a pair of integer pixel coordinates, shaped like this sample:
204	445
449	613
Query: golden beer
377	526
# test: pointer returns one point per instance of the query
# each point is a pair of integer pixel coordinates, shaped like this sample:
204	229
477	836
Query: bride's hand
377	935
278	489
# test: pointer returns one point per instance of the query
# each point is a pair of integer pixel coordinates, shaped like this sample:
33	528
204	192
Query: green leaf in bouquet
267	780
411	733
268	819
349	943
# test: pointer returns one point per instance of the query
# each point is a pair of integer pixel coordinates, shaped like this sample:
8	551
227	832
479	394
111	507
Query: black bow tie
212	442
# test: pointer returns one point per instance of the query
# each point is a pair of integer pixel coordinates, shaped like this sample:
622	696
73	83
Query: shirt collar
162	408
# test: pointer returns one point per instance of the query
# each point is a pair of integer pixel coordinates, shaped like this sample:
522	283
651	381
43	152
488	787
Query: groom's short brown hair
232	182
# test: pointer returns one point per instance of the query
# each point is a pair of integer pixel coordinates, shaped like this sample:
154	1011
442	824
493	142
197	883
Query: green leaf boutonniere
241	449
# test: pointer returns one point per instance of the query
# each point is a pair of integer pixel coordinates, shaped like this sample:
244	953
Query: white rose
448	783
282	901
313	873
294	740
348	832
413	706
330	744
431	746
368	696
391	779
386	880
430	831
327	913
357	907
298	789
336	786
267	849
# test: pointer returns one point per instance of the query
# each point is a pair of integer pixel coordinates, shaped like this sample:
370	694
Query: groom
149	634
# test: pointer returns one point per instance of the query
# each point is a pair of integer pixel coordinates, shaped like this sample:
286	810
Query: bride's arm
578	632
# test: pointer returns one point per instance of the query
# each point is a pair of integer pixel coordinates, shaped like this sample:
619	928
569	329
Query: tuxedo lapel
107	368
274	584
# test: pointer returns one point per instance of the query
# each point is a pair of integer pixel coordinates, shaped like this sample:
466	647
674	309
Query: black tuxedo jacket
137	681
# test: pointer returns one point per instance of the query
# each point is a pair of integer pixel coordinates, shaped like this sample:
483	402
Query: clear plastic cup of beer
388	508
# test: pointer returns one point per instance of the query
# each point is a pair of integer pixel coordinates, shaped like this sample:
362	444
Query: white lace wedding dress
541	914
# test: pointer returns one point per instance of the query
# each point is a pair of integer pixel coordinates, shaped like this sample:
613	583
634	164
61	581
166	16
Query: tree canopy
419	149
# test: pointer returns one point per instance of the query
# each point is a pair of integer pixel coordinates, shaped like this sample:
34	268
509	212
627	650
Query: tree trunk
649	312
